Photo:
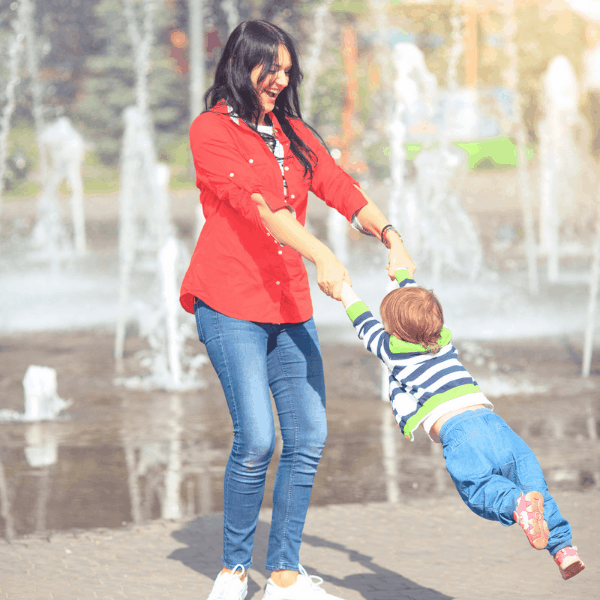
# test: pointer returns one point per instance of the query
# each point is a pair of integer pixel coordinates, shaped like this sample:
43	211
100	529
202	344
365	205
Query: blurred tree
109	85
63	34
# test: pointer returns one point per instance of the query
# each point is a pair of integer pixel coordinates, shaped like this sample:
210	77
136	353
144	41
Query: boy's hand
399	258
349	296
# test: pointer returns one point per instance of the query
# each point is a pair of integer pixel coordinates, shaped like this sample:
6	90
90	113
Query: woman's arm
331	273
373	220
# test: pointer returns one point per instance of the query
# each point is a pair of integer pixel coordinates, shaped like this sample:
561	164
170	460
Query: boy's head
414	315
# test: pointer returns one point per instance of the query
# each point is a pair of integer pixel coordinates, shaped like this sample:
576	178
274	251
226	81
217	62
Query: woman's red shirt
237	267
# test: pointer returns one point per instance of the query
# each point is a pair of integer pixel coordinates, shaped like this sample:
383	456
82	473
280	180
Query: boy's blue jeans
251	359
491	465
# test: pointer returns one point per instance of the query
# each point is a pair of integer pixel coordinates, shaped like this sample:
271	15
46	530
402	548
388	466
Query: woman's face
271	86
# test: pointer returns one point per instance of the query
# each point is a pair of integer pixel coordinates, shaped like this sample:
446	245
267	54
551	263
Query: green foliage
22	136
26	189
176	152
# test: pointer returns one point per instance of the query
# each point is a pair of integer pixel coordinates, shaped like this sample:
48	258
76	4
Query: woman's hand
398	257
331	274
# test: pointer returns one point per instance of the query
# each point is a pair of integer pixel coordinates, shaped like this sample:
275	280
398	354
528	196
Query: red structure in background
179	45
349	132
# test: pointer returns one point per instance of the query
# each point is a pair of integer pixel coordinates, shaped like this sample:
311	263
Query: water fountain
561	158
42	402
160	323
64	149
430	211
312	67
232	14
15	49
440	170
594	291
414	93
511	79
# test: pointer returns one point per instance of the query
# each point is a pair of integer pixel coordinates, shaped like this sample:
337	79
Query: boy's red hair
413	314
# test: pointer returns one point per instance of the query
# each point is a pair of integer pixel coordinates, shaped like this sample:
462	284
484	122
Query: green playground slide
489	152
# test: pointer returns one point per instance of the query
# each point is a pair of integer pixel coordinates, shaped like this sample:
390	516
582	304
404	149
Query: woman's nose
282	79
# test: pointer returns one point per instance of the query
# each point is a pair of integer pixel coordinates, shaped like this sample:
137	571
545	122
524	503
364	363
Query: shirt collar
224	107
398	345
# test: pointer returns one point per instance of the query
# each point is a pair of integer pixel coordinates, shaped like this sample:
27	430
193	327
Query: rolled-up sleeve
330	182
222	168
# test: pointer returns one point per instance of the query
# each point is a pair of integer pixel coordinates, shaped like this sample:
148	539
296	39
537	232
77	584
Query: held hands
331	274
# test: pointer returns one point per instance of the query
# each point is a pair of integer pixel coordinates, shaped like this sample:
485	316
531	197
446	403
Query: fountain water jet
432	212
171	368
313	63
232	14
511	78
560	155
42	402
15	49
414	91
64	149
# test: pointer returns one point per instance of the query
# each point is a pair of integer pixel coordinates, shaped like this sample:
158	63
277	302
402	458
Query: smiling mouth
271	95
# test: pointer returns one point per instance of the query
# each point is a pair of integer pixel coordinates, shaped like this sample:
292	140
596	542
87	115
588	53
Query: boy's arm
349	296
368	328
404	278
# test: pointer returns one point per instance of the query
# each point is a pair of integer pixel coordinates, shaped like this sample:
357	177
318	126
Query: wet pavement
419	549
118	456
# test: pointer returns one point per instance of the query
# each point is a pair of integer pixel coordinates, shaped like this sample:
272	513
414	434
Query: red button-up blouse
237	267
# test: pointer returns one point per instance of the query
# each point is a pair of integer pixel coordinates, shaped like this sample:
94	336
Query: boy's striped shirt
418	381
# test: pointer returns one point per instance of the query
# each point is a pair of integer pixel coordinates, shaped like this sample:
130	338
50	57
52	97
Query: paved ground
426	550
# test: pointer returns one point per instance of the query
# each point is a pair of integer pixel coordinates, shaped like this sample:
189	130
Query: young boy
494	471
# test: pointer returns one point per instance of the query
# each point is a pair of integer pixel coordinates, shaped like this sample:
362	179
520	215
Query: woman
255	162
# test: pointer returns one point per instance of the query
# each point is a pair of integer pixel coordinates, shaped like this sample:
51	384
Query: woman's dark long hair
254	43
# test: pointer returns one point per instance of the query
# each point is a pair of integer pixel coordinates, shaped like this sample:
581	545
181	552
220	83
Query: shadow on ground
203	537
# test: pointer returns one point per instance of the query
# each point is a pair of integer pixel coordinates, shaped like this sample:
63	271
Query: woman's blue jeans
251	359
491	465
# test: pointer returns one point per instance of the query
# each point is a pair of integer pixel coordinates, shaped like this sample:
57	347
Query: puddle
119	456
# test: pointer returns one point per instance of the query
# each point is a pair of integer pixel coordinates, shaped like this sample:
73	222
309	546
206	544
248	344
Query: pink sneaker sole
569	564
529	514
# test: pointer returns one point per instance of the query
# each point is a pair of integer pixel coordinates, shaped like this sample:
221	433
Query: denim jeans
491	465
251	359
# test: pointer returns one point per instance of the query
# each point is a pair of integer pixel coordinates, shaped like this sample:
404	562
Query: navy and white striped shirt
419	382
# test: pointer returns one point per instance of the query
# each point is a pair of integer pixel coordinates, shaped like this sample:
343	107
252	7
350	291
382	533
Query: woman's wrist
322	255
390	236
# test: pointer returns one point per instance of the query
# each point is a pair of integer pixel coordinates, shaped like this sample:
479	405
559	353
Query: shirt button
230	174
293	196
277	282
251	160
286	168
280	252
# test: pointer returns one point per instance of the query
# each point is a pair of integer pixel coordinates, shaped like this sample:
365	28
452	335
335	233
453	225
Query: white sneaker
229	586
306	588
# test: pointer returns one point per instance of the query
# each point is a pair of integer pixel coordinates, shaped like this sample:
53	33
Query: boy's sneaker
529	514
568	562
229	586
306	588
